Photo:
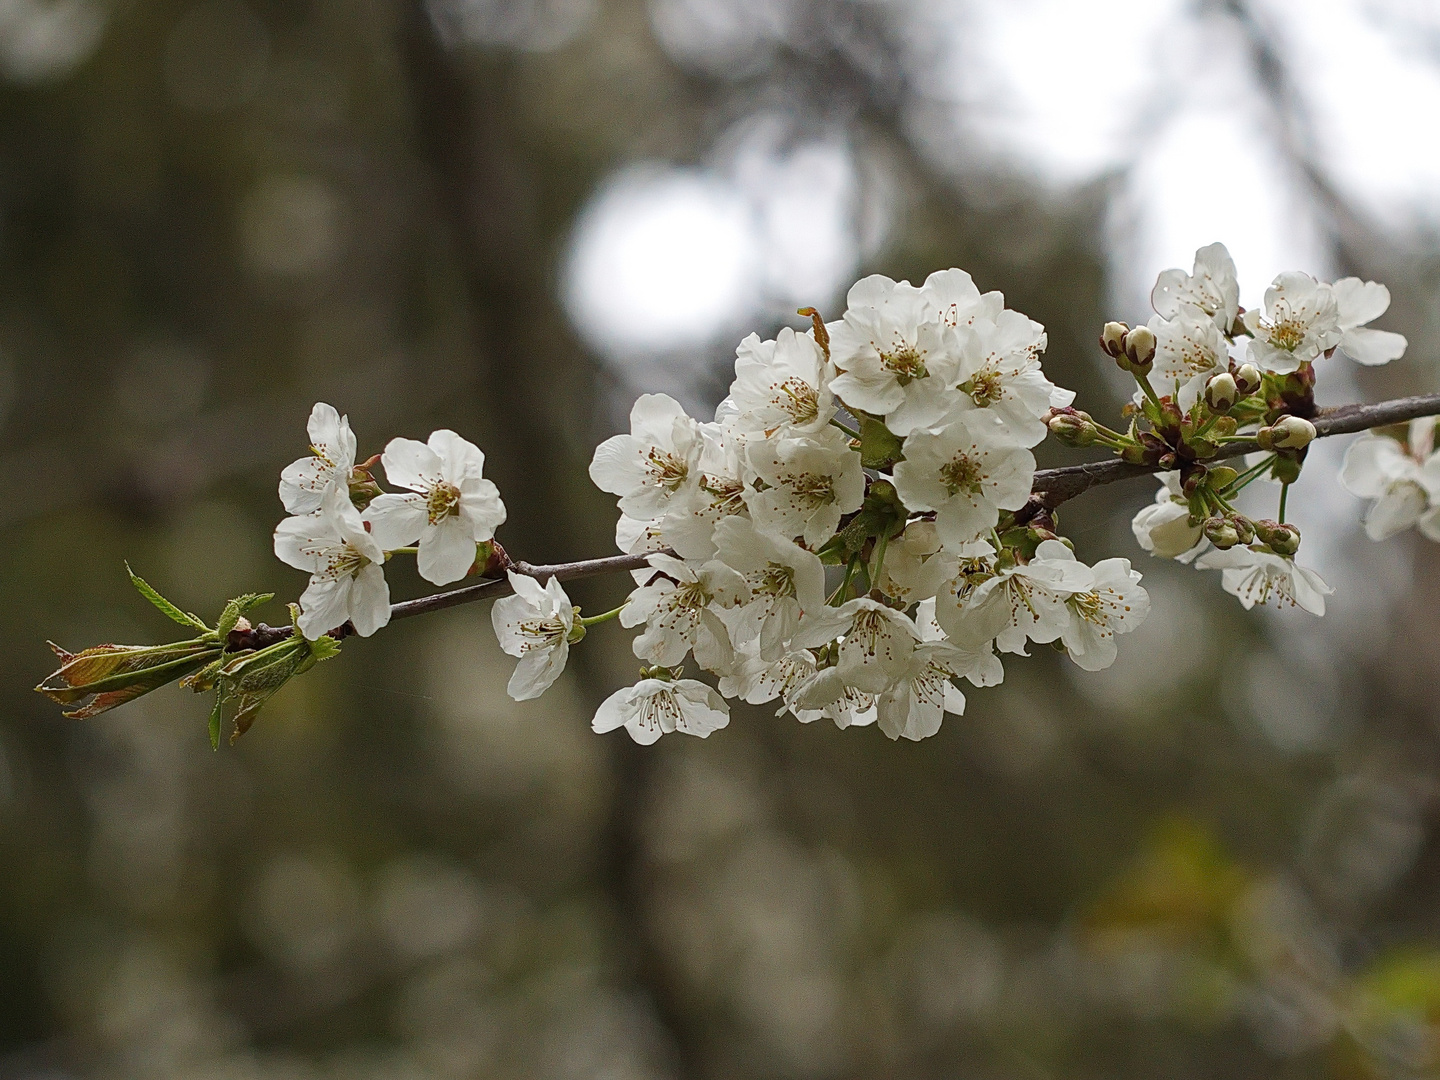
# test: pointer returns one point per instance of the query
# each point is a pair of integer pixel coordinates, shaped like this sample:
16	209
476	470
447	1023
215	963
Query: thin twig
1055	486
497	587
1051	488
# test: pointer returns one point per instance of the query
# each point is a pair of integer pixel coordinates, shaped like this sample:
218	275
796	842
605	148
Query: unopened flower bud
1221	533
1247	378
1287	433
1112	338
1281	539
1221	392
1244	528
1073	428
1140	349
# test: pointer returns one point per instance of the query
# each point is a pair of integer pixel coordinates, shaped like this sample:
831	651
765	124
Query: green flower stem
1206	426
1146	388
402	551
595	620
838	596
847	430
878	562
1284	493
1249	476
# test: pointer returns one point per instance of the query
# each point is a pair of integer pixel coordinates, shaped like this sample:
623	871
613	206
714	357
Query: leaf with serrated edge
166	608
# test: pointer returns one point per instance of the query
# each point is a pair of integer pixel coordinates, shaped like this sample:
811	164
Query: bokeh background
1218	858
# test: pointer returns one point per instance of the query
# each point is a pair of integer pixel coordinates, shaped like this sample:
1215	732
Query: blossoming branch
860	527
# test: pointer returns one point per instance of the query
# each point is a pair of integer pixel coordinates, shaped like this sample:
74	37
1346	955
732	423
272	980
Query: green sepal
169	610
880	447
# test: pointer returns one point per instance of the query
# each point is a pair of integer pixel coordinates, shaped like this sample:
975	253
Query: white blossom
1189	348
852	708
1300	321
676	608
632	535
1304	317
999	370
757	681
1017	602
915	705
347	579
535	625
811	482
875	643
952	297
967	472
449	508
1114	604
1163	528
1211	286
1360	302
303	483
781	386
657	461
785	582
916	564
688	524
1258	577
1403	479
655	707
895	355
974	662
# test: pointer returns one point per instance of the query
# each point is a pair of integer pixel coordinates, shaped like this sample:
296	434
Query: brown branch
498	587
1054	486
1051	488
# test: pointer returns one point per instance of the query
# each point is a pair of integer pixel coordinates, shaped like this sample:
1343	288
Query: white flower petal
396	521
369	600
411	464
447	551
1372	347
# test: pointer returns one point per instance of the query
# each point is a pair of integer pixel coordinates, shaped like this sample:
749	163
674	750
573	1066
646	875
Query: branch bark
1051	488
1055	486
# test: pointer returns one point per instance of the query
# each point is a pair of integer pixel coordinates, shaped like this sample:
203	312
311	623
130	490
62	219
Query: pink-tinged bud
1247	378
1244	528
1287	433
1073	428
1221	533
1140	349
1112	338
1281	539
1221	392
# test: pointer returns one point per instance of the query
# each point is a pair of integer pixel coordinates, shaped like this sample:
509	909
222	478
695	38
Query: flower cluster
344	527
860	527
889	451
1401	473
1197	389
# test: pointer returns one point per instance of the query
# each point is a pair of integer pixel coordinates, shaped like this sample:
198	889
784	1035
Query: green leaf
230	617
168	609
105	676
